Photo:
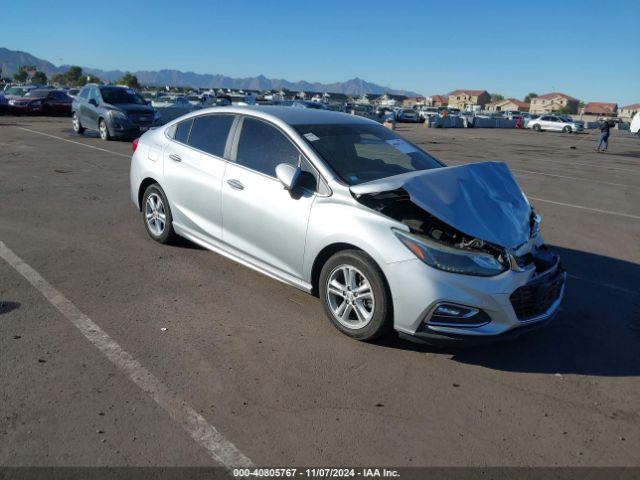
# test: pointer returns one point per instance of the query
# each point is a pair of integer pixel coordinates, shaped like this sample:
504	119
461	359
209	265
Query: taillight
134	144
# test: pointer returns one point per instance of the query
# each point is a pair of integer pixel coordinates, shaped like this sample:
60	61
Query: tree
129	80
528	98
39	78
20	76
496	97
566	110
73	75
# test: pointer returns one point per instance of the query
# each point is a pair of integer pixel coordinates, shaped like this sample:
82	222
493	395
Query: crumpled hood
481	200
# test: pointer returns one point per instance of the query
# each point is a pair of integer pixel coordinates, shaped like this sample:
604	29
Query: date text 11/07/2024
315	473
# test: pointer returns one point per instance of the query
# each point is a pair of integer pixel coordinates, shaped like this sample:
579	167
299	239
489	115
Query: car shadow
6	306
596	333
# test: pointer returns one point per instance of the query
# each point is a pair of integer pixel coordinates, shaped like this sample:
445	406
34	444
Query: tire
537	128
363	318
77	126
567	129
152	211
103	129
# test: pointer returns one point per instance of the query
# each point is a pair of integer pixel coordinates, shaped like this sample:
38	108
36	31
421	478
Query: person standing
603	144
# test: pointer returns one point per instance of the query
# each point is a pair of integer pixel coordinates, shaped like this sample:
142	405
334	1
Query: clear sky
588	49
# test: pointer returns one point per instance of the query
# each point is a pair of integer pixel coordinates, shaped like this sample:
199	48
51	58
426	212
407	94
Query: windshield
117	96
15	91
37	93
361	153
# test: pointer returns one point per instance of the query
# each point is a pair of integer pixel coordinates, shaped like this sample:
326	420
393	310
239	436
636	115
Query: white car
554	123
635	124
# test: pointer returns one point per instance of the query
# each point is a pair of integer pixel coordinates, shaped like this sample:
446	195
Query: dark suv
115	112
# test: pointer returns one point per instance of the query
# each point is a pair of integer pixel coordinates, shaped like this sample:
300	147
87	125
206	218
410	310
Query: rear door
194	165
261	218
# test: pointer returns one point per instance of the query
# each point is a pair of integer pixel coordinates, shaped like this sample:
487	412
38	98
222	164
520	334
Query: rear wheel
355	295
156	214
77	126
567	129
104	130
536	127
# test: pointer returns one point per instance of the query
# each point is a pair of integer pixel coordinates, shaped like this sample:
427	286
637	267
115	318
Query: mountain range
11	60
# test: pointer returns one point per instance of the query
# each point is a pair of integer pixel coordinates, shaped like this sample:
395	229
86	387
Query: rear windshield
361	153
117	96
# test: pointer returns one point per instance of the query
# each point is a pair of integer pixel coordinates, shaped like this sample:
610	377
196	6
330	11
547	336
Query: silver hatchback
387	236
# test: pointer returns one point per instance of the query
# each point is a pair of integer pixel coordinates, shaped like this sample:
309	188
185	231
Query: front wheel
77	126
537	128
156	214
567	129
104	130
355	295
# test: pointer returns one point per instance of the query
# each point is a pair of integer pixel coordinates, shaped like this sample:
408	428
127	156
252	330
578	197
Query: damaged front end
472	220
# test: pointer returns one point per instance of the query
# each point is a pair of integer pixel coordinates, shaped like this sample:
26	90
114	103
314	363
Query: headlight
117	114
450	259
12	102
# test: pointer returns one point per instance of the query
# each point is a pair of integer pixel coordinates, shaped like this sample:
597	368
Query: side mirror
288	175
93	102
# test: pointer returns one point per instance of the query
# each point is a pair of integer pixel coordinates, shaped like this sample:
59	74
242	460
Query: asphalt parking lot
257	360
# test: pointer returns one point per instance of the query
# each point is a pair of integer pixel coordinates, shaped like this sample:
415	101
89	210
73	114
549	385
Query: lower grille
535	298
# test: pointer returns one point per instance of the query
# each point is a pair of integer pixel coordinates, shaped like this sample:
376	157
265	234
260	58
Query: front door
260	217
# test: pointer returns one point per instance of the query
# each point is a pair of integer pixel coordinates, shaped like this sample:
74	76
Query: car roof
292	115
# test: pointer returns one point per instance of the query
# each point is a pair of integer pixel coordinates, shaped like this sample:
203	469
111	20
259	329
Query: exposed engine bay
397	204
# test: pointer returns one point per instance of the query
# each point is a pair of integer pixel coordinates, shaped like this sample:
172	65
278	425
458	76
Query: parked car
17	91
72	92
115	112
426	112
635	124
4	103
554	123
382	232
407	115
42	101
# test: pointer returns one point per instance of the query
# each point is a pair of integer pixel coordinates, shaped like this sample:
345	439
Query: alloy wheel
104	133
350	297
155	214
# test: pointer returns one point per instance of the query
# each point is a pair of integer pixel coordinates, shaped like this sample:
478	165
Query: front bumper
418	289
127	128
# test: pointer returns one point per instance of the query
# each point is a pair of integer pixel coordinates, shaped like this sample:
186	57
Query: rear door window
209	133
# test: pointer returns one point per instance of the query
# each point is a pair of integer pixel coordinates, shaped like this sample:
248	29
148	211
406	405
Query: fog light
454	311
452	315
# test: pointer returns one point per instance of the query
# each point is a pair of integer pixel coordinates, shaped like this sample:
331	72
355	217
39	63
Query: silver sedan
341	207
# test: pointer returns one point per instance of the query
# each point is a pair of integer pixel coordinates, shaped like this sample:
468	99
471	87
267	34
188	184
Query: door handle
235	184
174	157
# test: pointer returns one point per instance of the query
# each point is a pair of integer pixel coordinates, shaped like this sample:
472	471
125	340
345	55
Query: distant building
629	111
600	109
553	102
510	104
412	101
438	100
468	99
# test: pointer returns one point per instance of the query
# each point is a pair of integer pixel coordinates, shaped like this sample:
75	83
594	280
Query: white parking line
605	285
598	210
195	424
580	179
561	163
71	141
